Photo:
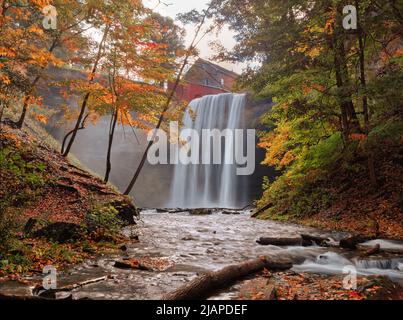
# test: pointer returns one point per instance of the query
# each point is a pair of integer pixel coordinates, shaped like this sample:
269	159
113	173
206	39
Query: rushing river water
195	244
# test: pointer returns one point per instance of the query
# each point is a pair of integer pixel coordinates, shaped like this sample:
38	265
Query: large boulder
61	232
126	211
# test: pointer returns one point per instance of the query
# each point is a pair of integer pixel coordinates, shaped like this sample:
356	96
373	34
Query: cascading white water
211	185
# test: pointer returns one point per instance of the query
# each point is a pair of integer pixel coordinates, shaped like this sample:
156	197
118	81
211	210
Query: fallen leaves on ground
296	286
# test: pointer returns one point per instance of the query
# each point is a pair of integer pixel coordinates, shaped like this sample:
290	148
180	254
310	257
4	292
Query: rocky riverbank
53	212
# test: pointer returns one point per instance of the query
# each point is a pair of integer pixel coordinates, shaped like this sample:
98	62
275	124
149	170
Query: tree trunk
259	211
20	122
114	119
209	283
284	242
345	129
361	45
349	118
3	106
87	95
320	241
4	8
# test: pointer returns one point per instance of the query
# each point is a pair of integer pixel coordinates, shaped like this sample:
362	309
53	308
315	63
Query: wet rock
352	242
230	212
258	289
188	238
48	294
169	210
130	264
200	212
30	225
320	241
126	211
61	232
10	289
64	296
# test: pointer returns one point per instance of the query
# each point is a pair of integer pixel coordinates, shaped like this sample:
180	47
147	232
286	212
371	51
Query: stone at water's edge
127	212
61	232
200	212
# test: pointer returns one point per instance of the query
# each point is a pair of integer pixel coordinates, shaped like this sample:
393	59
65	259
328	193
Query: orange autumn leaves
275	143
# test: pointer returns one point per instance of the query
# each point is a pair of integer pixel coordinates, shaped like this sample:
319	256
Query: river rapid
191	245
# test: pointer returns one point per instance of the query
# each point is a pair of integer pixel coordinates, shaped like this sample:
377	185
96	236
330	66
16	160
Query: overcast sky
181	6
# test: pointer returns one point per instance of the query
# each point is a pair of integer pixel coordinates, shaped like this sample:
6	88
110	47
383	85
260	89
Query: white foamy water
385	244
333	263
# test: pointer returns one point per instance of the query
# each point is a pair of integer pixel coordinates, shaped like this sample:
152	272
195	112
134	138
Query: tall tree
325	81
199	19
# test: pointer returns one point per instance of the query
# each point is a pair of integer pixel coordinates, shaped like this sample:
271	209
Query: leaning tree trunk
20	122
204	286
87	95
110	143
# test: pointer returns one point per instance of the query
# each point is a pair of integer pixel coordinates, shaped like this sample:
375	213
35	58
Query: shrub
103	223
28	173
298	191
8	227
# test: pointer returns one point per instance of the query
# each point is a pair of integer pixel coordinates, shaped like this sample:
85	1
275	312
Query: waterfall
211	185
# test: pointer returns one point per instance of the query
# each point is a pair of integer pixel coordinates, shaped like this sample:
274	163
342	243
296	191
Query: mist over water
212	185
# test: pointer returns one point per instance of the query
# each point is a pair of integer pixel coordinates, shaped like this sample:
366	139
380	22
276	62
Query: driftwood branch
259	211
204	286
283	242
41	292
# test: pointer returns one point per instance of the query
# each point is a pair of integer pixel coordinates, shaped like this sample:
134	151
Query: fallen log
320	241
259	211
204	286
228	212
130	264
41	292
284	242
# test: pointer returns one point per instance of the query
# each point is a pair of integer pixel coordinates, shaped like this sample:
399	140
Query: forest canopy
336	92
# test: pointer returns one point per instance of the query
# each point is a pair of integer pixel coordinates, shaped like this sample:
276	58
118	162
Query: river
195	244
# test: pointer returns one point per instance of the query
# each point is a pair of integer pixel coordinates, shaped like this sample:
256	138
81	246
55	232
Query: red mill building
205	78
